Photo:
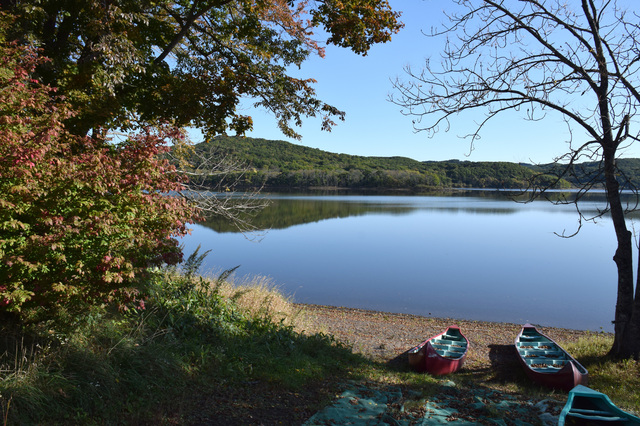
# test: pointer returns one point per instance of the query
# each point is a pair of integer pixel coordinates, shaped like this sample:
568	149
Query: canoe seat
450	354
588	412
545	365
606	418
449	342
446	341
532	353
452	337
532	338
548	346
441	349
448	345
546	370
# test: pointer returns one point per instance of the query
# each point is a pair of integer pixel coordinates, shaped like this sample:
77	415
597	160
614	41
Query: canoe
546	363
588	407
441	354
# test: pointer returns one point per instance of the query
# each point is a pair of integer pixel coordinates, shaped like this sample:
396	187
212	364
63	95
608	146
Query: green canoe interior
541	353
451	345
586	406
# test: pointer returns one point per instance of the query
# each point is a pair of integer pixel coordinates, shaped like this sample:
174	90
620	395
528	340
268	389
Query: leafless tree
213	177
580	60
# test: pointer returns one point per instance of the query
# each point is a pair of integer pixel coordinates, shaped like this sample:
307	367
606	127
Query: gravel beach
384	336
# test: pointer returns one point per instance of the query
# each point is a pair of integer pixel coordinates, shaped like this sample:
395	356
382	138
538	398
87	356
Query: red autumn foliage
81	219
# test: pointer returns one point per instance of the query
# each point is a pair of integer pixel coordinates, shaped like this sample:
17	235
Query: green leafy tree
190	62
546	57
81	218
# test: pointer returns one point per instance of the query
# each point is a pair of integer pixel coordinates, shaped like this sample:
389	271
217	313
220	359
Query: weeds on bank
195	334
619	379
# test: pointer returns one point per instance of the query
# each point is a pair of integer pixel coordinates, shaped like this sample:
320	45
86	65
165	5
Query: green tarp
362	406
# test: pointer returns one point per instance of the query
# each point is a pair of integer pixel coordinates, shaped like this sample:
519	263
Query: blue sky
360	86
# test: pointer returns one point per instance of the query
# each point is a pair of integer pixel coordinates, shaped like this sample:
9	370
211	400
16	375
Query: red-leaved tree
81	218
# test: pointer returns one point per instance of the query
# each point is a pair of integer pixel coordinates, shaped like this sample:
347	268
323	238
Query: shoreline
387	336
347	309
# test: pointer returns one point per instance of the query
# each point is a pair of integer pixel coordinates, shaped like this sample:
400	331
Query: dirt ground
383	337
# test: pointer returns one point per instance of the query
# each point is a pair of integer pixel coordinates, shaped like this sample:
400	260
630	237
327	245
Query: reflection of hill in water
285	212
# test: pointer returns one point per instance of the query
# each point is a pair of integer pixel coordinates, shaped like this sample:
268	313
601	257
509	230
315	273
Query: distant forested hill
280	164
629	172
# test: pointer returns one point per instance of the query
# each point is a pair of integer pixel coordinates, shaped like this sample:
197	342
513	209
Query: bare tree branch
212	179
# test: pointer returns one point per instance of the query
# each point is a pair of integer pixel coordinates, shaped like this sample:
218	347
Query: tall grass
258	297
194	335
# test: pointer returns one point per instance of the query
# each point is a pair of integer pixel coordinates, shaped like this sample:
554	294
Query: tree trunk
625	324
631	348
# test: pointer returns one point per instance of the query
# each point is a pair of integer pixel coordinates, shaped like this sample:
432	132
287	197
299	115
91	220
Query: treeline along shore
273	164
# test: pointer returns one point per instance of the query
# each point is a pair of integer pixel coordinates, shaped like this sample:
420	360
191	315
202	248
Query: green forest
274	164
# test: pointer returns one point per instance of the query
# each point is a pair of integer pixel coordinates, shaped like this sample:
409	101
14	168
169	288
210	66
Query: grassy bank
209	351
620	380
196	341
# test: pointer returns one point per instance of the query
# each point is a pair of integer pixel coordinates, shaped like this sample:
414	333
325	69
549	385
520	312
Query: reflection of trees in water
283	213
287	212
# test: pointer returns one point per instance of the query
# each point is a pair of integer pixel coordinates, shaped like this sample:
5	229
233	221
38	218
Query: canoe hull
586	406
429	357
566	378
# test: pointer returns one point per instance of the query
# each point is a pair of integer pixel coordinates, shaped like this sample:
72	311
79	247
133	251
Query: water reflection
285	211
476	256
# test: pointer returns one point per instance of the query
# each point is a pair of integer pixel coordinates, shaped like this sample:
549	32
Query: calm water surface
480	256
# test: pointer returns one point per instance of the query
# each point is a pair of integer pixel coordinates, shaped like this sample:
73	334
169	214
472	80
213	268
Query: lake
475	255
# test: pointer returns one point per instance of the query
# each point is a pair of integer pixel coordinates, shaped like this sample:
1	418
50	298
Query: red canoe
441	354
546	363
